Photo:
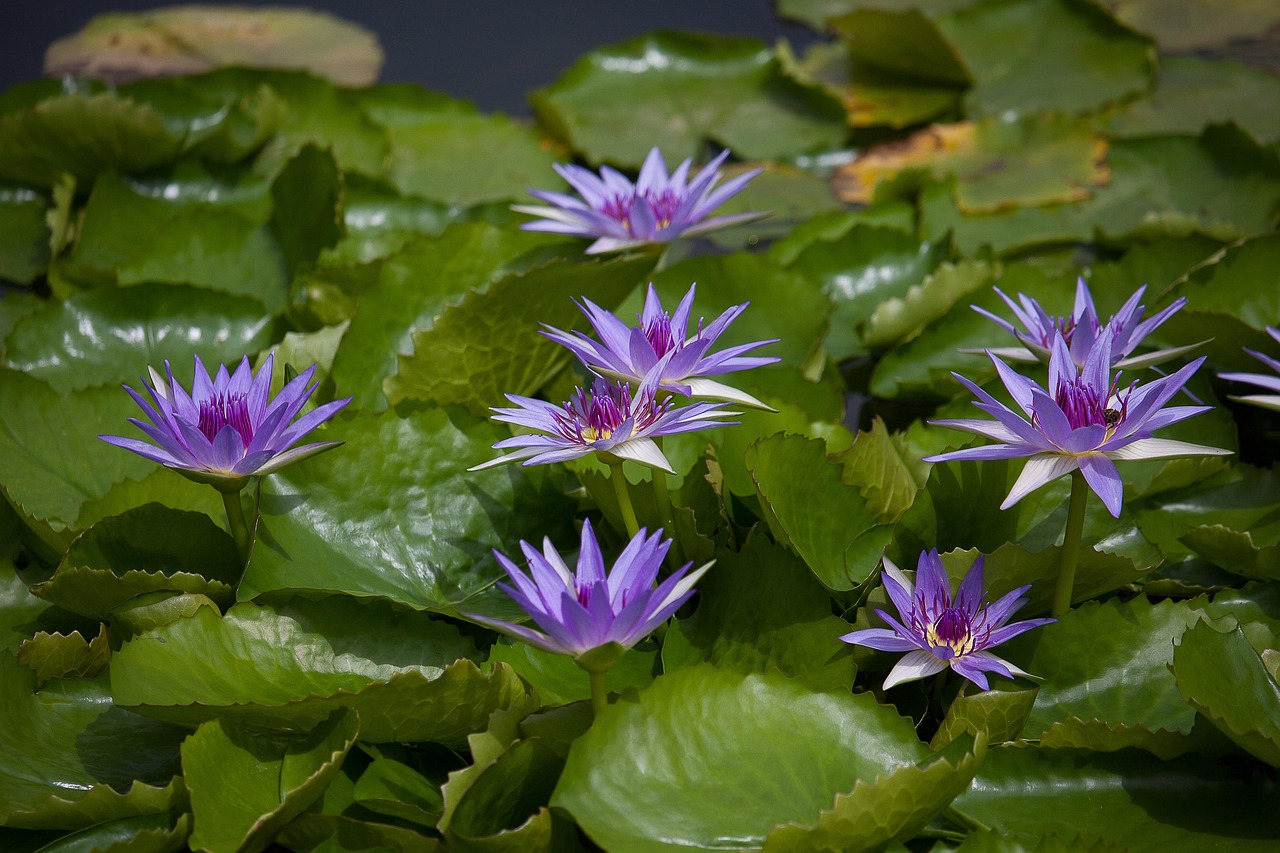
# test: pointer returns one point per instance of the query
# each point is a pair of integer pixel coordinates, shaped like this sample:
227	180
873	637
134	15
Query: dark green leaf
761	610
503	808
308	206
24	235
65	655
1192	92
1128	798
391	788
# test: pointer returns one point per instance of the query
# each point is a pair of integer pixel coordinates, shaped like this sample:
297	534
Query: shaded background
491	52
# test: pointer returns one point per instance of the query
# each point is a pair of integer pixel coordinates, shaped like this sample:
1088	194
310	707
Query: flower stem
599	695
235	519
624	499
1070	545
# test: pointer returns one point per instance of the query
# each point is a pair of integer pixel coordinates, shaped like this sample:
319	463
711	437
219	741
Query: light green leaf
899	318
119	764
110	335
782	754
999	714
885	471
560	681
411	291
274	780
693	88
144	550
814	512
326	523
1224	679
65	655
488	344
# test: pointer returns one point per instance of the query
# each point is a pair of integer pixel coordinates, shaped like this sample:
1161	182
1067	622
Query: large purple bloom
1262	380
1082	329
657	208
609	419
938	631
227	429
1082	421
630	352
593	610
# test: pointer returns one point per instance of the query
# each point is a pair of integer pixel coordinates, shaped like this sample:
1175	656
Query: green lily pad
782	753
162	485
84	135
1129	798
335	832
469	159
275	780
411	291
560	681
891	808
825	521
409	677
1221	675
872	96
898	318
784	304
486	345
118	765
693	88
307	216
51	459
760	610
1192	93
1195	24
1221	185
1032	55
831	226
392	788
1109	662
184	39
503	806
112	335
65	655
901	41
144	550
862	267
999	714
326	525
24	235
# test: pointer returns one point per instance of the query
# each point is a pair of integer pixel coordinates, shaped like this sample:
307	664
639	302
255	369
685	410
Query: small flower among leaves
609	418
1082	329
1083	421
938	631
227	429
1268	382
630	352
657	208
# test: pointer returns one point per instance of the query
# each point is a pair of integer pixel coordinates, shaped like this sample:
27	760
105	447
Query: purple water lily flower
1083	421
608	419
1262	380
593	614
1082	329
938	631
227	429
630	352
657	208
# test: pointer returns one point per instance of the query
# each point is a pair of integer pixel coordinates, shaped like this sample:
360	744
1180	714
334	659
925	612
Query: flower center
226	410
618	208
664	206
595	415
658	333
952	628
